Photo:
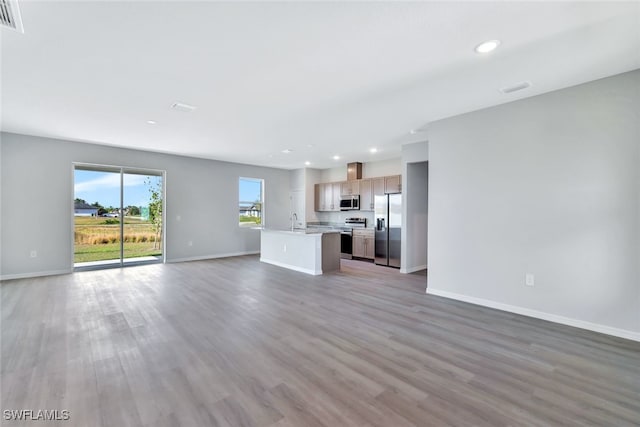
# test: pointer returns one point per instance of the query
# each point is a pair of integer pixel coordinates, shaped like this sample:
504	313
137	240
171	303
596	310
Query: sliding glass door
118	216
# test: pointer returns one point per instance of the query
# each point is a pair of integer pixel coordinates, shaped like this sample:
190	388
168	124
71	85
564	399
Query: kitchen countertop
302	231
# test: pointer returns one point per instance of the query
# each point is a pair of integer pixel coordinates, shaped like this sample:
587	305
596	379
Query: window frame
249	225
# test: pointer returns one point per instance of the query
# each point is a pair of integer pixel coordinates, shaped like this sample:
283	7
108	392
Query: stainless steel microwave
350	203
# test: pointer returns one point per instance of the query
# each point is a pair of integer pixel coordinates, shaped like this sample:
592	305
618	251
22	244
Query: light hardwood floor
234	342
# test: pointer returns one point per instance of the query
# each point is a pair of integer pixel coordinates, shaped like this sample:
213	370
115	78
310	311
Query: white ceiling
320	78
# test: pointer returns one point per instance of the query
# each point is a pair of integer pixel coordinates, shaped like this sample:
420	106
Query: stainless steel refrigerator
388	210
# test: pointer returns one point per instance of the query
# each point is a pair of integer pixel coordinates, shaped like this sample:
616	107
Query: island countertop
302	231
312	251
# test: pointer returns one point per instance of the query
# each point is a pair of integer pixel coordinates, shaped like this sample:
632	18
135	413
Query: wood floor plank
235	342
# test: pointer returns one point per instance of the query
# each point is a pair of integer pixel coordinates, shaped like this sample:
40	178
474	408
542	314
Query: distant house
84	209
253	210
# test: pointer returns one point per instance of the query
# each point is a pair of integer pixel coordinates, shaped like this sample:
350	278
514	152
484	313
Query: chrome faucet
294	218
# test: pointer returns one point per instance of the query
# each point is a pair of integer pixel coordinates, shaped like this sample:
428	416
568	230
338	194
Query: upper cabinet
327	195
378	186
393	184
335	194
350	188
366	194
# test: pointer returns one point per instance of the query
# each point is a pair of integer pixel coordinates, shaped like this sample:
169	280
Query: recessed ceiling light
307	163
336	157
373	150
287	151
185	108
310	145
488	46
151	122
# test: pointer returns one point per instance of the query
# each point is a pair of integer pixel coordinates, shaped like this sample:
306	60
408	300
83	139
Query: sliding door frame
122	170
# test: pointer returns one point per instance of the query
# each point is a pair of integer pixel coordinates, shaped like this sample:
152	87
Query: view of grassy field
98	238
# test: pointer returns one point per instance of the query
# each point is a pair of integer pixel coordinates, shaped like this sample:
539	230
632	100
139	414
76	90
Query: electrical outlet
284	249
34	253
190	243
529	279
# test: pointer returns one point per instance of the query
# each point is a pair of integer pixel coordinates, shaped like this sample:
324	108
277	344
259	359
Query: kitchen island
312	251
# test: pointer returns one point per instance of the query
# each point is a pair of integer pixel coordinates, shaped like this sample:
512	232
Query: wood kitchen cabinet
363	244
393	184
323	197
318	197
369	247
358	246
327	197
378	186
335	196
350	188
366	194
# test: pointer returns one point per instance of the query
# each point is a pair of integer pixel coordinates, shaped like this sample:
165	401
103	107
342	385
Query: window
250	204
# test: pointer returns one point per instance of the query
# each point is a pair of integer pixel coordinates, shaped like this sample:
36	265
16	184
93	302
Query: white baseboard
204	257
409	270
35	274
292	267
622	333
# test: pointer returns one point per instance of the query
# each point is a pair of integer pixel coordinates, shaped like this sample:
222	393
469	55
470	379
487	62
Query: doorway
117	217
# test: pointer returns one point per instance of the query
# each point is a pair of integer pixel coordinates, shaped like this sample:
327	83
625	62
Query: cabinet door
318	193
378	186
328	197
349	188
369	247
354	188
393	184
335	193
358	246
366	195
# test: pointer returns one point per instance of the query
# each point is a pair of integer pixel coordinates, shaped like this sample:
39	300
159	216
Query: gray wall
548	185
201	202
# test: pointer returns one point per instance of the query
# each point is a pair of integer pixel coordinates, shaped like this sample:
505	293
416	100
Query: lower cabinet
369	247
363	244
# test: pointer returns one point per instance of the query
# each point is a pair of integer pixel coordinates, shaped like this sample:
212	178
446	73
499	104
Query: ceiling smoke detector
10	15
179	106
516	87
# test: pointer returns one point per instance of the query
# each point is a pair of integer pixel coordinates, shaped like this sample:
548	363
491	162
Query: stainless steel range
346	235
355	222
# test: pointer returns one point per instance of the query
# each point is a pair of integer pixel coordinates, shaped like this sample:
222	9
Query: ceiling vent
516	87
179	106
10	15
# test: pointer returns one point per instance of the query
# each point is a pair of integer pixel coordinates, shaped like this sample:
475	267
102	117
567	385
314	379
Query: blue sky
250	190
104	188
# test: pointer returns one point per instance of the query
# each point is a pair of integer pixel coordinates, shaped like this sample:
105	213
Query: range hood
354	171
